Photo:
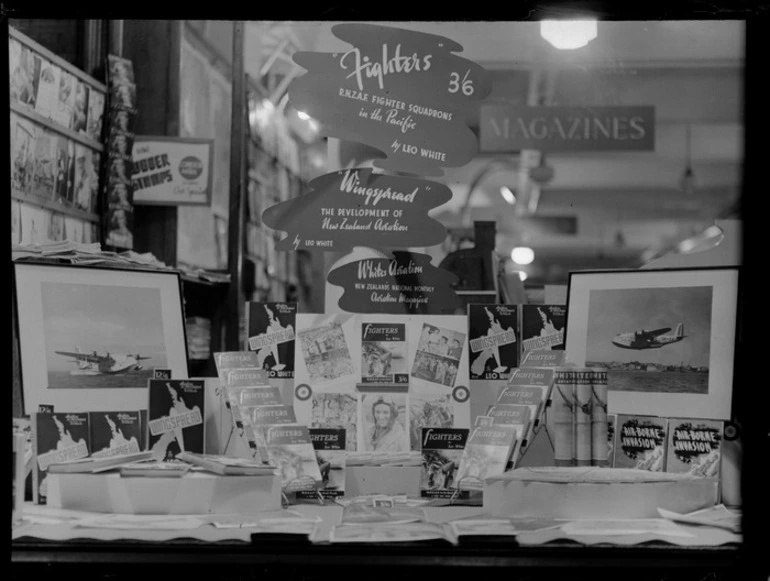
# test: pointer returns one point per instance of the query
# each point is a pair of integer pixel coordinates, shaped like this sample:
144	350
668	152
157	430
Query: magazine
80	110
429	411
492	341
246	377
403	533
270	329
172	469
694	446
65	103
476	526
438	355
95	465
57	438
226	465
329	446
175	418
325	352
640	442
383	417
47	101
369	512
336	411
486	454
292	453
25	79
95	115
14	68
62	184
114	433
533	396
442	450
383	353
542	327
45	164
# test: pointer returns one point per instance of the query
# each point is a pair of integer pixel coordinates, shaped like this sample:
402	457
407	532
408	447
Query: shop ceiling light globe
522	255
568	34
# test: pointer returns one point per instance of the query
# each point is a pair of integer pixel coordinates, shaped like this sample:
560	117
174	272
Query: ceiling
625	203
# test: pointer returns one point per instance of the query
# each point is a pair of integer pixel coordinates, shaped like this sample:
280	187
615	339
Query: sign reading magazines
400	91
356	207
270	328
172	171
175	417
492	339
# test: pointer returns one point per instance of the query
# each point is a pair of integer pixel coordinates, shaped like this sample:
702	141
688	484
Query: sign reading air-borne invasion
356	207
403	92
407	283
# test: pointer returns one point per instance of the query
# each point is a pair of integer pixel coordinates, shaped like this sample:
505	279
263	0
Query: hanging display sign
356	207
506	129
172	171
406	283
400	91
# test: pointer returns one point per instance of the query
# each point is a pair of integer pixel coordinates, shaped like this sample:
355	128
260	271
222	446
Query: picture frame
90	336
666	336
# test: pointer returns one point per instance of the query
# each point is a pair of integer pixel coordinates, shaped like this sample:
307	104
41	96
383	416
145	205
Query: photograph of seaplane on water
101	336
651	339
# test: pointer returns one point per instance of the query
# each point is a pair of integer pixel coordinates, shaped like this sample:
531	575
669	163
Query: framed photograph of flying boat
90	337
666	337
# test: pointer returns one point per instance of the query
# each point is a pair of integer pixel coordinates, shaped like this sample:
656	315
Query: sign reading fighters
406	283
172	171
400	91
356	207
506	128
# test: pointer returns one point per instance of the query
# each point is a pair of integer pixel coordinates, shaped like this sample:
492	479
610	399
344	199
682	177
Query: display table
229	553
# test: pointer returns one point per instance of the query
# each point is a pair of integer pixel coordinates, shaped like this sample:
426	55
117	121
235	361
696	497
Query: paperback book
115	433
292	453
640	442
542	327
494	351
383	353
535	397
175	418
442	450
270	330
155	469
694	446
486	454
57	438
542	359
226	465
329	446
94	465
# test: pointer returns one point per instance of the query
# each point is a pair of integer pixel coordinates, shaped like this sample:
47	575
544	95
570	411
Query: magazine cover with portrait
183	400
438	355
57	438
542	327
270	331
492	339
115	433
383	417
338	411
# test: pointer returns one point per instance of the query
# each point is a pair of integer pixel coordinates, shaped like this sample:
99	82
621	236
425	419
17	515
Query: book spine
564	419
599	425
583	424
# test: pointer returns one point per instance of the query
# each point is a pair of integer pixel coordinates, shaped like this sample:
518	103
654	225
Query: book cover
336	411
600	451
65	103
269	415
95	115
226	465
175	417
22	155
325	352
492	338
543	376
292	453
96	465
246	377
442	450
384	421
542	327
486	454
429	410
533	396
612	422
80	110
155	469
694	446
83	177
383	353
329	446
270	329
259	396
438	355
14	64
57	437
114	433
48	89
25	79
62	184
542	359
563	396
45	163
640	442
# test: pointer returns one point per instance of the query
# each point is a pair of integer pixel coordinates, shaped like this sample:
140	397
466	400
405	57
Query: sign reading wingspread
401	91
405	283
357	207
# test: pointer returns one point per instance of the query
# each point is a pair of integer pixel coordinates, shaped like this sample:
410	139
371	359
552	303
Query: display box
595	493
193	493
390	480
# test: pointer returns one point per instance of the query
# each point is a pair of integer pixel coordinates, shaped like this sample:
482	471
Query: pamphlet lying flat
655	526
366	513
94	465
227	466
483	527
404	533
715	516
141	521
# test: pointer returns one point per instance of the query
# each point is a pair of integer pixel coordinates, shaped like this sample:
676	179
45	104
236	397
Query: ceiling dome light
522	255
522	275
508	195
568	34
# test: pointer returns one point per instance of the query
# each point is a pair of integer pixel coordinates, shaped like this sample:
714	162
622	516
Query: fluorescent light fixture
568	34
508	195
302	115
522	275
522	255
